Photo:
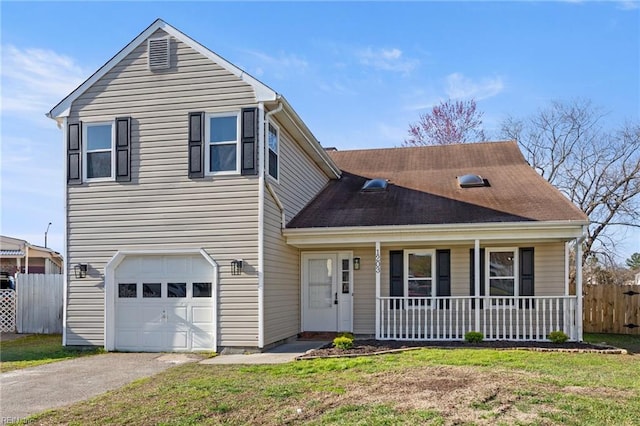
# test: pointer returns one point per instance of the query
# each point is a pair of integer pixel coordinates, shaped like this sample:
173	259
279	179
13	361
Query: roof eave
455	233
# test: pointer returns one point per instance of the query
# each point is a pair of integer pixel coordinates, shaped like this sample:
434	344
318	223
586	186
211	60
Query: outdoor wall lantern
236	267
356	263
80	270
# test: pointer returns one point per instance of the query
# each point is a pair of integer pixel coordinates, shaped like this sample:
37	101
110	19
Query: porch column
579	288
476	282
378	269
566	268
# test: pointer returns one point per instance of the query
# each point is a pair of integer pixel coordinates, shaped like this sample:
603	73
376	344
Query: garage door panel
152	315
178	340
127	315
127	339
202	315
153	340
202	340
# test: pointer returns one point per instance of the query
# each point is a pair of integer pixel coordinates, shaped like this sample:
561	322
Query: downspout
261	181
66	264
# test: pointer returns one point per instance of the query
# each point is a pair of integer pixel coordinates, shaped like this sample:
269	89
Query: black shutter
196	145
123	149
396	276
74	153
248	142
526	273
443	273
443	276
472	287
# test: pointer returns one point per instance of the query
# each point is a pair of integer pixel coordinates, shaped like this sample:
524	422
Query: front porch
498	318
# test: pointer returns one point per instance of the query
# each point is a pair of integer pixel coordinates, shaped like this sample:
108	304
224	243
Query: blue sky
357	73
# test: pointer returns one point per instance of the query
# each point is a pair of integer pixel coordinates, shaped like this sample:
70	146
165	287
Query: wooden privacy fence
39	303
611	309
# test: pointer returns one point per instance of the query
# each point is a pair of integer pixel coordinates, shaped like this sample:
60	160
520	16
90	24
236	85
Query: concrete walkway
32	390
280	354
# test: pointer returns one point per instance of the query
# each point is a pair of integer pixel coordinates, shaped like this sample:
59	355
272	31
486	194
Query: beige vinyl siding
282	279
161	209
299	181
364	292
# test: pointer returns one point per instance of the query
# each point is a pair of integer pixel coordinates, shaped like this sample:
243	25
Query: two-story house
202	214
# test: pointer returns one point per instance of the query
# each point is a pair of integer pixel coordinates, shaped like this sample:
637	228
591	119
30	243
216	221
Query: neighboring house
207	216
18	256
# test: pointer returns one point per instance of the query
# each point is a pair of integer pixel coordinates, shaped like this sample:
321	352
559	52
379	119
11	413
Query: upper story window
99	151
221	136
274	150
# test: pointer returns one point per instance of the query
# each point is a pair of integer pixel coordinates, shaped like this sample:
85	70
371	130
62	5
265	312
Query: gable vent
158	53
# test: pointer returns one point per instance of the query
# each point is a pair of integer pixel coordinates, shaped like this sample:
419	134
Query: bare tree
597	169
447	123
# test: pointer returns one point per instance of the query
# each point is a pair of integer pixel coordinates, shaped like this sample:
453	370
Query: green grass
624	341
37	349
427	386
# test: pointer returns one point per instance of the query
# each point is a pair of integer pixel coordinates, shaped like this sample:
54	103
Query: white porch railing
497	318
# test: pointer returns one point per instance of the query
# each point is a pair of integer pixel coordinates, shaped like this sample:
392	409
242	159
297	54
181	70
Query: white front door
326	298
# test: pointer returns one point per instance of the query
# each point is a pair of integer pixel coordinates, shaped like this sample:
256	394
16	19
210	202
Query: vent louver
158	53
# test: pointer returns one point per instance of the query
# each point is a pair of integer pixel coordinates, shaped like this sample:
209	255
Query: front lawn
37	349
425	386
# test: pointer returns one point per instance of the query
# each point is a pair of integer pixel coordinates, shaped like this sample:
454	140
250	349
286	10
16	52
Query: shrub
346	334
473	337
343	342
558	337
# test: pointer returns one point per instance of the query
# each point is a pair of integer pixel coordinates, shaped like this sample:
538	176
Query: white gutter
449	232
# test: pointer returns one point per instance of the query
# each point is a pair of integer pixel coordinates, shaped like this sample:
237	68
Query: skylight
375	185
471	181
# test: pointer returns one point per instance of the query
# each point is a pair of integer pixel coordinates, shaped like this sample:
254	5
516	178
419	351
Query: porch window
502	272
420	267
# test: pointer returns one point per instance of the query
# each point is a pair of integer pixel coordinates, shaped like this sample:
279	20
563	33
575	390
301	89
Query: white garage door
164	303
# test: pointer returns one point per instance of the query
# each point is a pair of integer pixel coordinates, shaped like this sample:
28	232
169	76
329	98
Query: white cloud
386	59
628	4
460	87
33	80
280	66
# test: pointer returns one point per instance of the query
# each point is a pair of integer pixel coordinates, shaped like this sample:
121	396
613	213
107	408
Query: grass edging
604	351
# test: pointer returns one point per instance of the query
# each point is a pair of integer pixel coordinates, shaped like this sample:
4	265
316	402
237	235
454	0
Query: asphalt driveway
32	390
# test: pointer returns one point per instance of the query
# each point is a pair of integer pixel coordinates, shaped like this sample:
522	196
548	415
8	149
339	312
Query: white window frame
270	124
86	151
207	147
514	277
430	252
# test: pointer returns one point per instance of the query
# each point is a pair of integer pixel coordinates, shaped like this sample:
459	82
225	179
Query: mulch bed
377	347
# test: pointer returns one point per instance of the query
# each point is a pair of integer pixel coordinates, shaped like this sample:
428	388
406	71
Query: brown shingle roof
423	189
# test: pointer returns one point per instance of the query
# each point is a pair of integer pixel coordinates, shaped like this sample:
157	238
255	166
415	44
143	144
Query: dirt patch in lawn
461	395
